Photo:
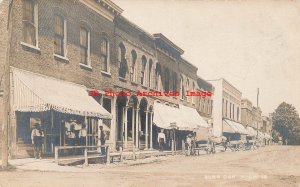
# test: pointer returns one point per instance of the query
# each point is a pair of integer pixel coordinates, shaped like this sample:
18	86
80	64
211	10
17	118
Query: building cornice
105	8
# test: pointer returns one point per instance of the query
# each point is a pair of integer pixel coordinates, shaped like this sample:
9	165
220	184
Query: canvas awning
35	93
233	127
251	131
182	118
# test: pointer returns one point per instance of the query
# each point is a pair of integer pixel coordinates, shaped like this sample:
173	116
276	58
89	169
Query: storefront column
132	124
137	128
146	127
151	124
125	126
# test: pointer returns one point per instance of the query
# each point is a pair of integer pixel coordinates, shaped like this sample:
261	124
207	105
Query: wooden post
107	155
126	127
137	128
146	133
134	157
56	155
121	156
172	147
86	160
151	129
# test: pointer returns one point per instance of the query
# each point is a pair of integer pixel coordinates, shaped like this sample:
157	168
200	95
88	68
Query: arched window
187	89
157	76
167	80
174	79
133	74
104	51
85	46
150	73
30	27
193	89
181	88
143	72
238	113
122	61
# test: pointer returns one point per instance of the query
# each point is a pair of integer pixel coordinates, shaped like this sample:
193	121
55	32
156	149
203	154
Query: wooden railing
84	156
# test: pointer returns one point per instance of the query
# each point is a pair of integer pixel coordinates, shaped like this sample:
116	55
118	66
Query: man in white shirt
161	139
36	137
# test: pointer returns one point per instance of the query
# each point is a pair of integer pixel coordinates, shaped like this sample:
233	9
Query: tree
286	122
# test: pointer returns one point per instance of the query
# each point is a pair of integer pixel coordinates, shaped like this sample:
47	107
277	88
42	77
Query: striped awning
182	118
233	127
35	93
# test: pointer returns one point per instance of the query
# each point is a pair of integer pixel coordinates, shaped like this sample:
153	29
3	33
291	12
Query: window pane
28	11
83	37
59	35
29	33
83	55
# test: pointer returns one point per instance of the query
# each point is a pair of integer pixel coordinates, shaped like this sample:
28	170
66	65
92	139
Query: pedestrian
37	137
161	139
102	140
71	136
82	135
188	143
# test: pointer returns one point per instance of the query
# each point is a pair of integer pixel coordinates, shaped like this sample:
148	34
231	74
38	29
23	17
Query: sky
252	44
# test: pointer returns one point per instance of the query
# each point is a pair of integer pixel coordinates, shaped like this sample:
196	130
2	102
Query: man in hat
36	137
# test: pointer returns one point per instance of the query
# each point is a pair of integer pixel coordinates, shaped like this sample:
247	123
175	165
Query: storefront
58	106
234	131
177	123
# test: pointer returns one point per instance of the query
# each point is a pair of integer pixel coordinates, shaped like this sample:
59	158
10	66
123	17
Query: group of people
80	136
73	137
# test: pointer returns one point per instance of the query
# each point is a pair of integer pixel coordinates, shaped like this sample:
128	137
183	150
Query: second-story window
143	72
157	76
193	89
122	61
181	88
133	69
167	80
150	73
174	79
104	50
30	22
59	36
84	46
187	89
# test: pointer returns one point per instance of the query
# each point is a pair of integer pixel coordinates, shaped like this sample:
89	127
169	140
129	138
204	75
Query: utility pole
6	86
257	97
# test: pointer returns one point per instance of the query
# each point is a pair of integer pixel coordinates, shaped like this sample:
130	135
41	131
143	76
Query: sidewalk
47	165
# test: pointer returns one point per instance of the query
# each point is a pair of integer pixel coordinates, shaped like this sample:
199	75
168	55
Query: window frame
88	60
64	37
35	24
107	55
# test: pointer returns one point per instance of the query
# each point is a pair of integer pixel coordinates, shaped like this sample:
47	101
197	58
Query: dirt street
269	166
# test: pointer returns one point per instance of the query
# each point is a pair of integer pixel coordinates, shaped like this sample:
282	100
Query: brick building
227	111
205	104
89	45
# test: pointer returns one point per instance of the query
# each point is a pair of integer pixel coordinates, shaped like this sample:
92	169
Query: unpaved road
269	166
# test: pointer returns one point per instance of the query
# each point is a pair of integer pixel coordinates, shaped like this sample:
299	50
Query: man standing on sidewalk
37	138
161	139
102	140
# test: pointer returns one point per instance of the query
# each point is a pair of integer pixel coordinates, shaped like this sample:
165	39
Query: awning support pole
151	129
146	127
137	128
